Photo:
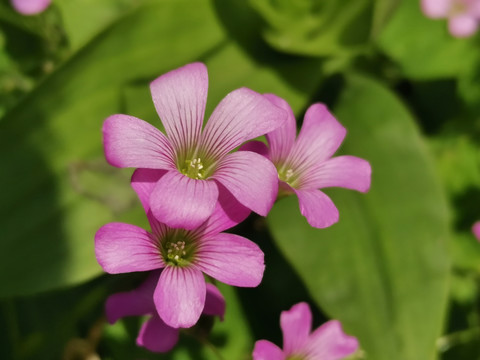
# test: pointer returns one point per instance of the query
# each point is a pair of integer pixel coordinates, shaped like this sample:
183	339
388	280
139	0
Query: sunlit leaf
55	194
382	270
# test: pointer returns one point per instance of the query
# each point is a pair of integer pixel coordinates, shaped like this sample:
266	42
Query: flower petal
180	97
242	115
231	259
329	342
30	7
251	178
131	142
133	303
180	296
123	248
143	182
181	202
296	325
228	213
265	350
476	230
256	147
317	207
436	8
319	138
157	336
214	302
463	25
282	139
342	171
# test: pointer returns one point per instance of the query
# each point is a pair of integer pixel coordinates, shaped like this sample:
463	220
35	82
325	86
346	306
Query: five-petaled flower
328	342
463	15
154	334
183	254
305	164
196	166
30	7
476	230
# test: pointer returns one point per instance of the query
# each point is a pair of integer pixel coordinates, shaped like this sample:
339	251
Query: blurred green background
401	269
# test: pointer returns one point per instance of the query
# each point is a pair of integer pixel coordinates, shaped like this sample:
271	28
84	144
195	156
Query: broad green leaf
382	270
99	14
422	47
50	145
318	28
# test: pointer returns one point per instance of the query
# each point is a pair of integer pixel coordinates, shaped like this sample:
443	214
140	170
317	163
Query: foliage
400	270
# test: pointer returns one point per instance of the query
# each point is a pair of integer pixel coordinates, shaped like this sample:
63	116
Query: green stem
212	347
459	337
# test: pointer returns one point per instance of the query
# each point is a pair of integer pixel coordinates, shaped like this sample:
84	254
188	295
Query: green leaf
50	145
309	27
382	270
382	12
422	47
100	14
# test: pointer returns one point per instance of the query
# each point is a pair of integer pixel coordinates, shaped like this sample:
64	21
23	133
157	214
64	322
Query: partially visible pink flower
476	230
197	165
463	15
154	334
305	164
328	342
30	7
183	254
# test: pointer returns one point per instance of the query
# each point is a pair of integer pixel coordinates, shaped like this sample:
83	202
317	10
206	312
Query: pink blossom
183	254
154	334
476	230
328	342
30	7
305	164
197	165
463	15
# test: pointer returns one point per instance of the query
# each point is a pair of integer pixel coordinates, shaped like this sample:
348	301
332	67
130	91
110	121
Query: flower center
178	248
296	357
193	169
287	175
458	8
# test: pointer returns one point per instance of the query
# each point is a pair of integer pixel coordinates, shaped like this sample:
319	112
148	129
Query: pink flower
328	342
197	165
305	164
183	254
476	230
154	334
463	15
30	7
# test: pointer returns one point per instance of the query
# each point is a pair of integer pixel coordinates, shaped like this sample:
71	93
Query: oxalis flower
305	164
476	230
194	163
463	15
328	342
154	334
183	254
30	7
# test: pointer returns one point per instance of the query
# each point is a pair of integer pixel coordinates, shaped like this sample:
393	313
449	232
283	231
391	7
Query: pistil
178	247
